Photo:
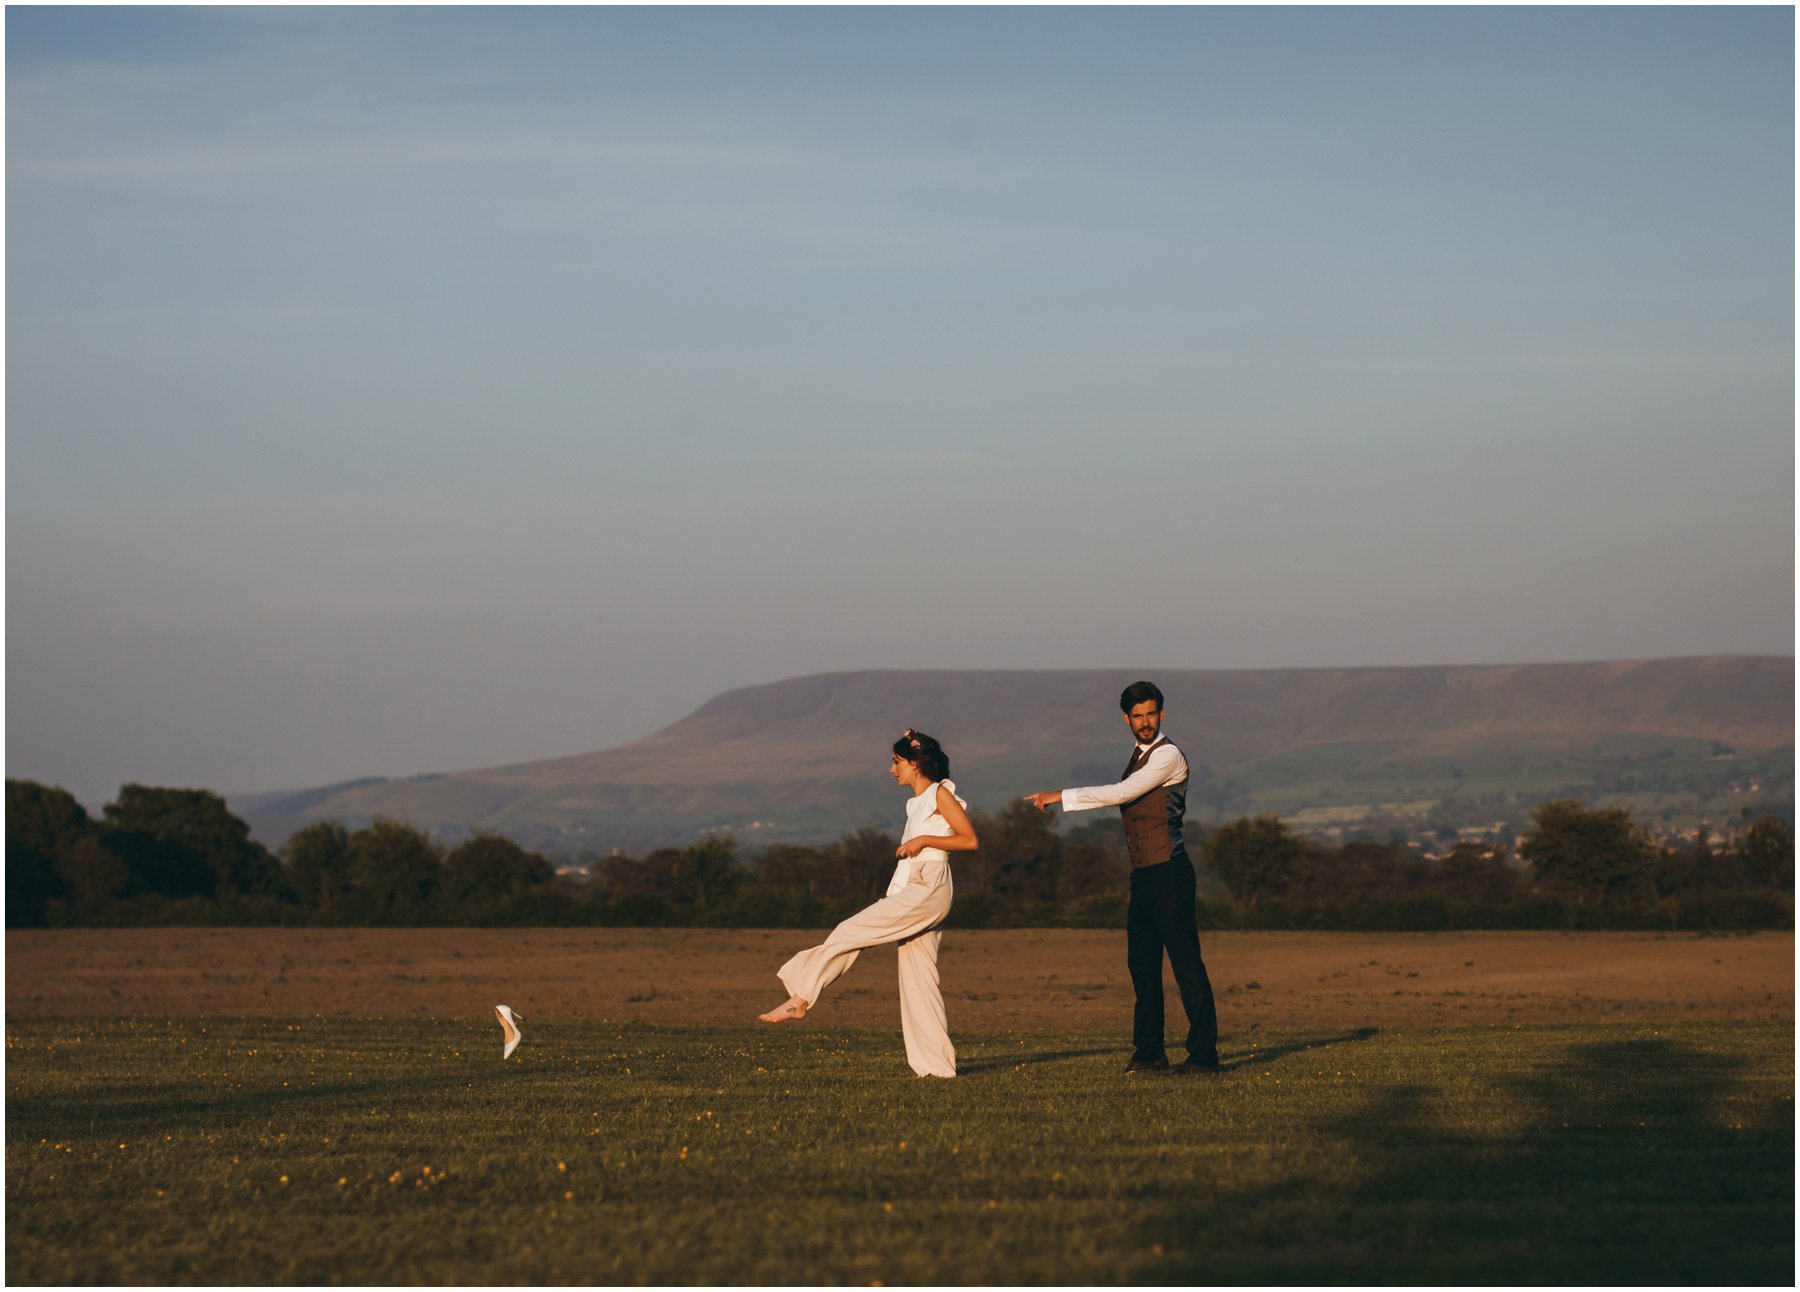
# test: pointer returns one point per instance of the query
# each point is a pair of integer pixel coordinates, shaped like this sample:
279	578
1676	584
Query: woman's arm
960	839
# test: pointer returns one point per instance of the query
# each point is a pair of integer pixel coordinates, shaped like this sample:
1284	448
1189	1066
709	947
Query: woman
917	900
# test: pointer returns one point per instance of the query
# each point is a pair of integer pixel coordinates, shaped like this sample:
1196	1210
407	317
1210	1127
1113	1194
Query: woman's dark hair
918	748
1137	693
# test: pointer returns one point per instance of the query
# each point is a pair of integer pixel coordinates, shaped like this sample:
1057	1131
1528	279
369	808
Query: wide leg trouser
1159	919
909	918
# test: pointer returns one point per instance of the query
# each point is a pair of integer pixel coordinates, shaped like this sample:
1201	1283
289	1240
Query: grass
404	1151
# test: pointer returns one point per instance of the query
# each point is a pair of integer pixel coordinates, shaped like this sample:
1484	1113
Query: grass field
342	1150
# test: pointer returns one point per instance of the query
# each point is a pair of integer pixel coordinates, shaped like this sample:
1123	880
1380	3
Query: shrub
637	910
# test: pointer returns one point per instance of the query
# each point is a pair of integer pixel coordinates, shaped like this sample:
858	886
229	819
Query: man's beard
1144	734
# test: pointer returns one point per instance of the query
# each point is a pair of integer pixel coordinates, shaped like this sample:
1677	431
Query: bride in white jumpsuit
917	900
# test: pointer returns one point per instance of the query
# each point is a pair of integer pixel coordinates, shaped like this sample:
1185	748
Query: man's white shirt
1166	766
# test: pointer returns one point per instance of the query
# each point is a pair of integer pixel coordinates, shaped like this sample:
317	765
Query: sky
394	391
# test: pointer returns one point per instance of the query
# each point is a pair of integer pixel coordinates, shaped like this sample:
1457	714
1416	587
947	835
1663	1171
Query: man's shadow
1262	1054
1253	1058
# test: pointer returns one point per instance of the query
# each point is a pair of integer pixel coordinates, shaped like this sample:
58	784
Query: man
1160	918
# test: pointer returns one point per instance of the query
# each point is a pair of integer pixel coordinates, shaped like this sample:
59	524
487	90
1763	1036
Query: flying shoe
509	1029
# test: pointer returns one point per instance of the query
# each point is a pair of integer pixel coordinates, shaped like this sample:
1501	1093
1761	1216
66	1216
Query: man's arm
1165	765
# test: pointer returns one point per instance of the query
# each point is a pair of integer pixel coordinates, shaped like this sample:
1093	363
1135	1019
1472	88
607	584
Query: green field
350	1151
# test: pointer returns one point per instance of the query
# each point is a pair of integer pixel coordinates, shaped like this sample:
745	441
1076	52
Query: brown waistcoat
1153	820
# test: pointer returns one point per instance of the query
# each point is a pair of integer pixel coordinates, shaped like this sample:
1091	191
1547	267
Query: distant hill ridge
805	758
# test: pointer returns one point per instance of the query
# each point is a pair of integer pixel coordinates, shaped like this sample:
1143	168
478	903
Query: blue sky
402	390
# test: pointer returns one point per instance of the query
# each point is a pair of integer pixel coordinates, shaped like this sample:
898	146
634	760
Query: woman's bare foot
790	1011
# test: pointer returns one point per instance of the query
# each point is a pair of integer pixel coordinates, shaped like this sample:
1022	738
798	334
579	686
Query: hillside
804	759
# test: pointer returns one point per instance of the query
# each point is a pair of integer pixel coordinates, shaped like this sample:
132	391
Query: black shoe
1147	1065
1192	1069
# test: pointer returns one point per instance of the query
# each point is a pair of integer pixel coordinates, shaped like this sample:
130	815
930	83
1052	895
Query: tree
488	871
1088	868
1256	857
1767	850
1473	872
657	873
42	817
394	871
866	860
1093	861
42	824
1592	855
185	843
707	872
621	891
1361	868
613	877
1696	868
1019	855
316	863
807	872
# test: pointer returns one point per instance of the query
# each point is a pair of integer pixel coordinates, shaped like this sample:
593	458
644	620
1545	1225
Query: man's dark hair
1137	693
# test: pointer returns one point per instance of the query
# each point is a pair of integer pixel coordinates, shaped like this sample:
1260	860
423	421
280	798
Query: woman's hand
911	848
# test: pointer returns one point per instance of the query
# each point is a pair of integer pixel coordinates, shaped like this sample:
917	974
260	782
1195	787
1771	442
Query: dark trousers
1161	919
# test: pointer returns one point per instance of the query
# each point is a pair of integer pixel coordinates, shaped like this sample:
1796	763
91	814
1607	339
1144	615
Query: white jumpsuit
917	900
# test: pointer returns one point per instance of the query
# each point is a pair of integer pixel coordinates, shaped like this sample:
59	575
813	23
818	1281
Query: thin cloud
307	160
1572	363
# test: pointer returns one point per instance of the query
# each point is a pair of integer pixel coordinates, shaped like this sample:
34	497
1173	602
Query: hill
1334	749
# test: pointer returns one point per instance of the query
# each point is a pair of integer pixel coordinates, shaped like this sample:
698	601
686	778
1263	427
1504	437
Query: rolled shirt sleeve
1165	766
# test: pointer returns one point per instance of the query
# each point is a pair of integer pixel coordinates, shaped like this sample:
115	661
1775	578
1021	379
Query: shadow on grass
1023	1057
1640	1161
1253	1058
168	1093
118	1116
1270	1053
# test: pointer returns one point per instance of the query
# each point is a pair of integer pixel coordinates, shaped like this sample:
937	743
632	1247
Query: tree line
179	856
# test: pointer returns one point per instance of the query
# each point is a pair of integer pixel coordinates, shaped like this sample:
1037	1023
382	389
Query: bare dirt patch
994	980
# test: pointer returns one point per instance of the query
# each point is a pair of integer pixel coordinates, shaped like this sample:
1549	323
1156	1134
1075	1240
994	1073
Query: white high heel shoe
509	1028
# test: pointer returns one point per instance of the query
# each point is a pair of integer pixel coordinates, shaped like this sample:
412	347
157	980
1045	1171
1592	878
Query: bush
1719	912
771	908
977	910
1100	911
538	906
636	910
1211	913
1428	913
